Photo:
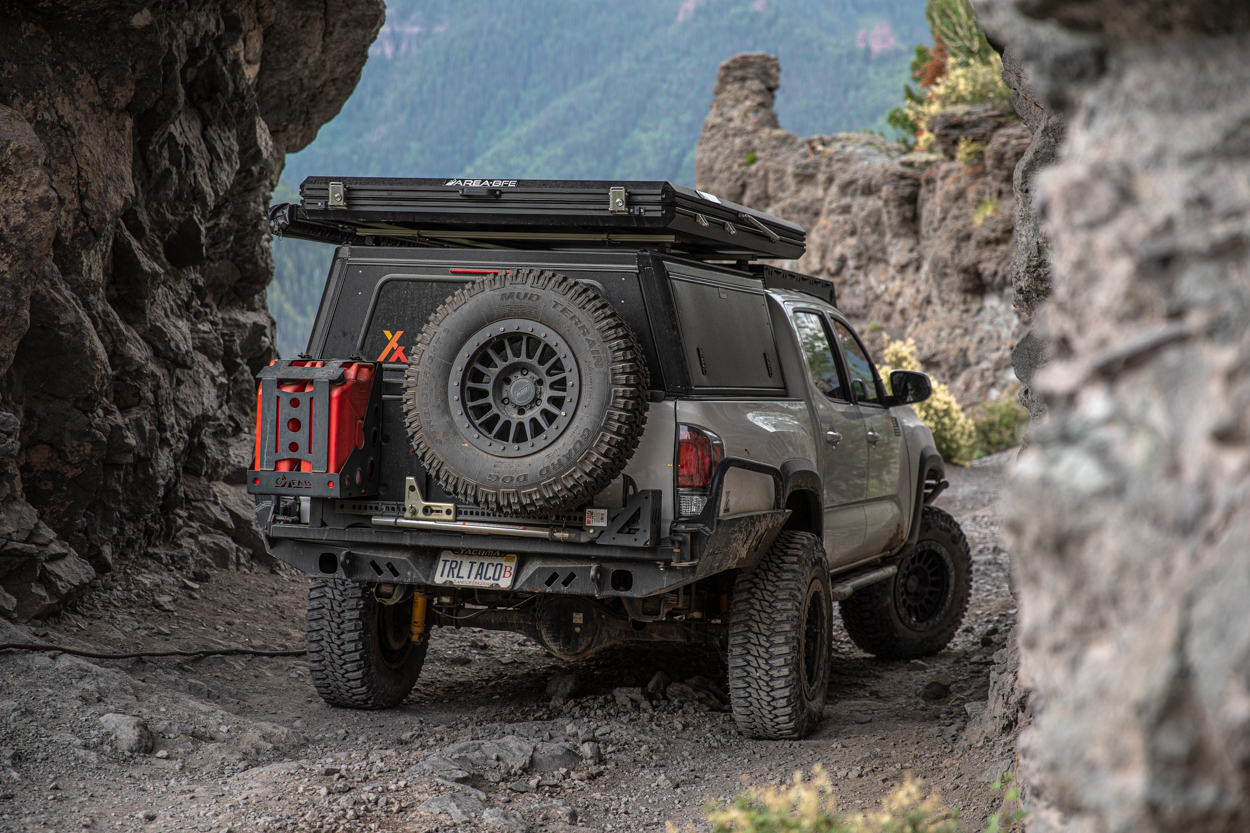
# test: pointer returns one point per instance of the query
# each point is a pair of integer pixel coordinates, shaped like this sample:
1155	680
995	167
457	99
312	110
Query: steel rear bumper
363	554
591	569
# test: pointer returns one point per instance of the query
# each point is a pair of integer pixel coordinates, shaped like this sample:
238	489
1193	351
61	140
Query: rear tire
360	651
916	612
779	639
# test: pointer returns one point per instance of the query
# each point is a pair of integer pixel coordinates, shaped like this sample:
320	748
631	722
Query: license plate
468	570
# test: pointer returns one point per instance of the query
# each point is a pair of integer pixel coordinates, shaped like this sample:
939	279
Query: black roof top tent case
533	214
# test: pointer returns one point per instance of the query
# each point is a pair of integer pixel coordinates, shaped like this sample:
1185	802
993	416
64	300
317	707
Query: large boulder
918	244
139	146
1129	511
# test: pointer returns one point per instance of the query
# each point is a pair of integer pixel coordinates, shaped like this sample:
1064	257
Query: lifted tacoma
582	411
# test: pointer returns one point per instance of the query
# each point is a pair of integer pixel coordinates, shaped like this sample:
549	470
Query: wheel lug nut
506	402
524	372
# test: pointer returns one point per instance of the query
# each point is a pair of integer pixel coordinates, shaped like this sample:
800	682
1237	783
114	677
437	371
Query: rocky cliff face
1130	509
139	143
1030	264
919	245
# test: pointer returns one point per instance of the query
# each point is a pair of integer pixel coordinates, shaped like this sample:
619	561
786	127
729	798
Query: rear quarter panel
769	431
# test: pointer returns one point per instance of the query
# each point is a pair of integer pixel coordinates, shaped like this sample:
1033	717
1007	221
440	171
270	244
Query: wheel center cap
521	391
913	584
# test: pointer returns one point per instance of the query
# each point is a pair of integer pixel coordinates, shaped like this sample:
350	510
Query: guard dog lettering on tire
533	368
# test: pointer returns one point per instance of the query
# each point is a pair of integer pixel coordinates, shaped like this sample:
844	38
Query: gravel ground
244	743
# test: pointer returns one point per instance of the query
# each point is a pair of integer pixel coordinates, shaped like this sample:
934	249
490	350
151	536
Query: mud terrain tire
526	393
916	612
360	651
779	640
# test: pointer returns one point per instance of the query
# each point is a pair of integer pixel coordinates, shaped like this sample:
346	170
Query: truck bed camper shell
533	214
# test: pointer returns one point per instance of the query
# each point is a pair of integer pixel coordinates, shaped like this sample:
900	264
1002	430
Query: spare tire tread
619	433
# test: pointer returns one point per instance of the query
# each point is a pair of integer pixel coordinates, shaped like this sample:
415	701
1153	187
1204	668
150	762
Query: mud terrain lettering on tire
584	330
565	402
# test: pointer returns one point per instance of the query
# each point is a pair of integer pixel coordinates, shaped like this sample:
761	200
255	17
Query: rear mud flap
737	543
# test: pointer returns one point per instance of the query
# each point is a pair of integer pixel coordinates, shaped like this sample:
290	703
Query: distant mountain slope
584	89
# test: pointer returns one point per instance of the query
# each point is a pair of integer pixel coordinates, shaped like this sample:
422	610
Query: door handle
833	438
874	437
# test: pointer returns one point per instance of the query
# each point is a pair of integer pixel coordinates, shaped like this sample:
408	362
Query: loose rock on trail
497	735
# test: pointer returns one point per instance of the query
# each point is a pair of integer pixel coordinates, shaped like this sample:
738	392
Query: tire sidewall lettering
443	355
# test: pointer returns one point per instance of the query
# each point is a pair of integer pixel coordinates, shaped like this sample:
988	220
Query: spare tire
527	393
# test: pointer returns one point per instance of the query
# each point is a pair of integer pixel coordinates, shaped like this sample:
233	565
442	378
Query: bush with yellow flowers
961	68
810	806
954	434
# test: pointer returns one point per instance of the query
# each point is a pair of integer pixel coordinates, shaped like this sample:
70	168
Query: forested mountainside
578	89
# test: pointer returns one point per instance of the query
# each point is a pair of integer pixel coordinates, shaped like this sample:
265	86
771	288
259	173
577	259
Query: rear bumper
592	569
411	557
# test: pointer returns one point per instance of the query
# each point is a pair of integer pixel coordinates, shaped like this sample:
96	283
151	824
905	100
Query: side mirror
909	387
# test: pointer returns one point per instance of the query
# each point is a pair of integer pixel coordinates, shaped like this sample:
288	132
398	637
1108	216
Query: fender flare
801	476
930	460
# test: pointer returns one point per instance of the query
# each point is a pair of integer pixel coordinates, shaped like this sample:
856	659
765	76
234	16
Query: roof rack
532	214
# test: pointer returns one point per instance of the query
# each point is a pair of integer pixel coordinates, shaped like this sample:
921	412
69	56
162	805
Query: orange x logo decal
393	344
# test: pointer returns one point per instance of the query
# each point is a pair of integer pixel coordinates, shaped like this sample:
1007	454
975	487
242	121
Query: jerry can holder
309	413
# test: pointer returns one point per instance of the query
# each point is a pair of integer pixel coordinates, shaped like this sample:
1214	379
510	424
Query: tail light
699	452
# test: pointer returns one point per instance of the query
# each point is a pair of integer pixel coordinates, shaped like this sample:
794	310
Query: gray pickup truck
585	412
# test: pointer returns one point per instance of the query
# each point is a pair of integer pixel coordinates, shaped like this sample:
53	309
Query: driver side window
818	352
863	378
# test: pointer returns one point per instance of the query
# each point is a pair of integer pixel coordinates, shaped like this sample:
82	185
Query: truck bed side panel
770	431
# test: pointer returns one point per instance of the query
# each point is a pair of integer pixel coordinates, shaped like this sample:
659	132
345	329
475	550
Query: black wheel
779	638
360	651
526	394
917	612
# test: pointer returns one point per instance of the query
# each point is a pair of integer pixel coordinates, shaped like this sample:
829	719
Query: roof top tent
533	214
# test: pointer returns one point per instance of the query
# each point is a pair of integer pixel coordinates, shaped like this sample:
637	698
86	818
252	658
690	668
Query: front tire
360	651
779	639
916	612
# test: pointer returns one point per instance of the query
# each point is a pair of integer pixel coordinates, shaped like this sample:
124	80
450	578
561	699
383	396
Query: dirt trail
242	744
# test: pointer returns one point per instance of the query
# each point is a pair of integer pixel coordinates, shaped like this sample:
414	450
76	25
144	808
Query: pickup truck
586	412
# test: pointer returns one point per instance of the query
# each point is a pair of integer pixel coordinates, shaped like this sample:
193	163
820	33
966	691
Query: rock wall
139	143
1129	512
899	233
1030	264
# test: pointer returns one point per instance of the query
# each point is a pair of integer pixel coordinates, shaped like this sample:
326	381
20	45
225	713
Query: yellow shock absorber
418	617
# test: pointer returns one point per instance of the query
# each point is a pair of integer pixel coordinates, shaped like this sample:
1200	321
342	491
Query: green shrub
969	152
954	434
955	26
751	158
961	68
811	807
999	425
986	209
